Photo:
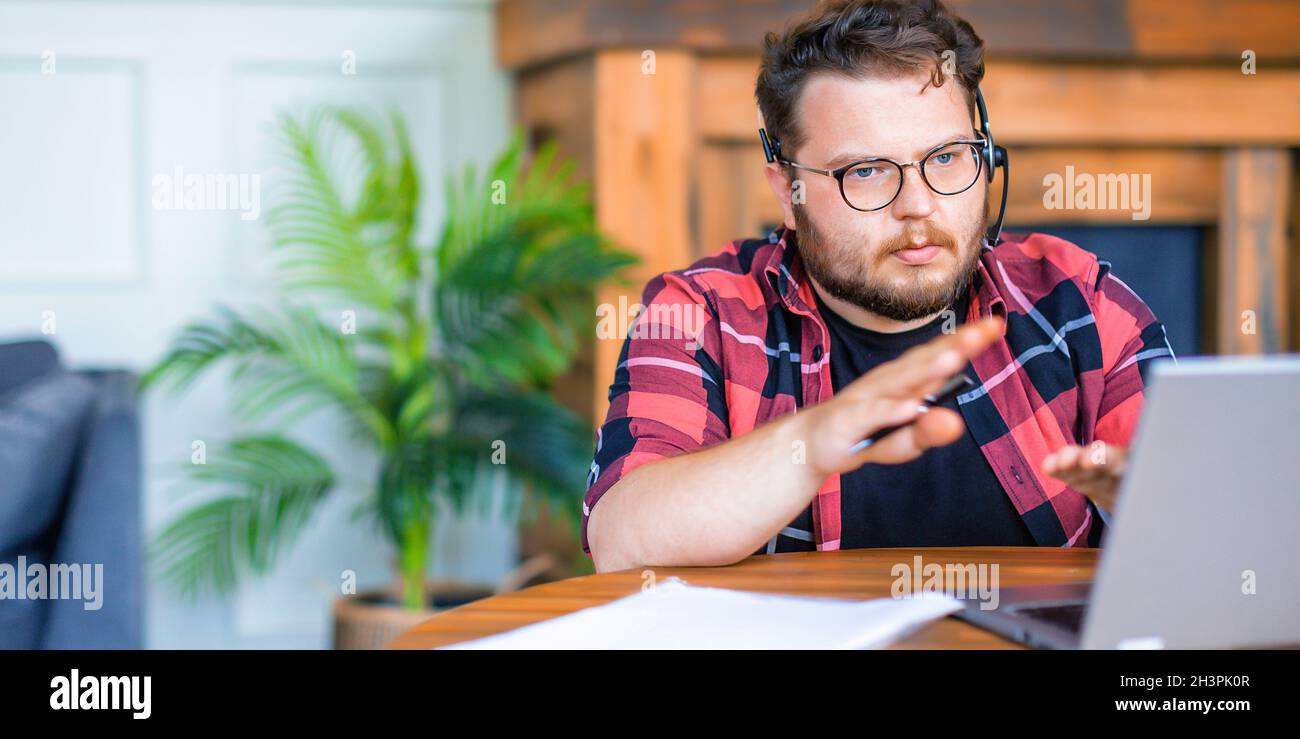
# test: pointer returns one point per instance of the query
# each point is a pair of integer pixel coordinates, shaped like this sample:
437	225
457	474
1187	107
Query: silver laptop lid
1204	547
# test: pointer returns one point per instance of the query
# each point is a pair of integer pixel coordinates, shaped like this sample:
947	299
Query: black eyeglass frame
981	152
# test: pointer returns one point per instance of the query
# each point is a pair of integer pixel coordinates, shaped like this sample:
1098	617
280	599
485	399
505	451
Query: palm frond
259	493
544	443
470	332
286	364
513	295
353	244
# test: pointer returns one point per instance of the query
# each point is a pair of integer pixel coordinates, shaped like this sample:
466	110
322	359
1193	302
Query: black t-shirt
947	497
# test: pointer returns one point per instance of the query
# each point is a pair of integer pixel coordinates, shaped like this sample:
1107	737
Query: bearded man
743	435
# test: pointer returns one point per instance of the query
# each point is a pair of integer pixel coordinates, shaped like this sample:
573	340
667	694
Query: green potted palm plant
442	368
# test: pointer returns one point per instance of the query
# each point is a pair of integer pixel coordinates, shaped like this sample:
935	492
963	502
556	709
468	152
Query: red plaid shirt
735	340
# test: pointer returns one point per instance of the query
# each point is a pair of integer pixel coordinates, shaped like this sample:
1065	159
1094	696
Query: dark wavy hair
859	38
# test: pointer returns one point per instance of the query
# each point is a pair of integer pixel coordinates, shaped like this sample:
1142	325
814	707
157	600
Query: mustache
933	235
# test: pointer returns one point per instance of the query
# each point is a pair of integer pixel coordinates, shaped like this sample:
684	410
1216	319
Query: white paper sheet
675	615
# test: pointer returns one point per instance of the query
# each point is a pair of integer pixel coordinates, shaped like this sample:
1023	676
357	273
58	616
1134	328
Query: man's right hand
891	394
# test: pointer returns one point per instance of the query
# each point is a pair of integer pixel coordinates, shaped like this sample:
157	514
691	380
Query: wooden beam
536	32
533	32
723	182
1147	105
555	103
1075	105
1253	252
1184	185
644	145
1214	29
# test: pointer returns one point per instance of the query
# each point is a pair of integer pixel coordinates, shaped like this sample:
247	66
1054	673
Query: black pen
948	391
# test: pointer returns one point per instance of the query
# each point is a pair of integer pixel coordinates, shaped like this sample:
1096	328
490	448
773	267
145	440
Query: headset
994	157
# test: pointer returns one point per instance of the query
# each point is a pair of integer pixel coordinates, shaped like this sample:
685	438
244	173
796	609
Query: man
878	288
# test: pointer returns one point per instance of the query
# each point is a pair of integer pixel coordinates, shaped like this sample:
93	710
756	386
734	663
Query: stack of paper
675	615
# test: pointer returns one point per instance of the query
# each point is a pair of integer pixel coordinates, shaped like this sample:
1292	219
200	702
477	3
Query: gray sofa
69	495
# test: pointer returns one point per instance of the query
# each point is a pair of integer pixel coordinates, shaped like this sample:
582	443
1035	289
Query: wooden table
858	573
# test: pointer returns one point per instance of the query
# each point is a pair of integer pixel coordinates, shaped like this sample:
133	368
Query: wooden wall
1125	86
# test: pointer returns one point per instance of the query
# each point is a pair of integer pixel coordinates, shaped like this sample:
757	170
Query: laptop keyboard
1068	616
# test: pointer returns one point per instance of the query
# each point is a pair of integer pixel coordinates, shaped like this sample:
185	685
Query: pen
948	391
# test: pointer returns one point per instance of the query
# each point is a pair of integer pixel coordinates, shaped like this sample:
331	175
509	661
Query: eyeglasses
872	184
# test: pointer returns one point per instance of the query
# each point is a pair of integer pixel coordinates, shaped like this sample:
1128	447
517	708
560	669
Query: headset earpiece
997	157
771	146
994	156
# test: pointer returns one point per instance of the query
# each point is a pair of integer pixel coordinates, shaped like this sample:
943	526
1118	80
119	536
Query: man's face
912	258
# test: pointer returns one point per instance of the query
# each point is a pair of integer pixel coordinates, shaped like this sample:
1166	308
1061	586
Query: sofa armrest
101	524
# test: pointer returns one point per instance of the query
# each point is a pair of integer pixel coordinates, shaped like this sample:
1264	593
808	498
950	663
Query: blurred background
108	109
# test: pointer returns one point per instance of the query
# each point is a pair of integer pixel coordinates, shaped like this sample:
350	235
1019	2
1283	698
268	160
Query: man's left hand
1094	470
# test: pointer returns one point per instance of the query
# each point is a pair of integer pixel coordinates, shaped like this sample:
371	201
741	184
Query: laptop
1201	549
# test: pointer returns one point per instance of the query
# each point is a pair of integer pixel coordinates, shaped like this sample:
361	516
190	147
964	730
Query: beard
848	273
